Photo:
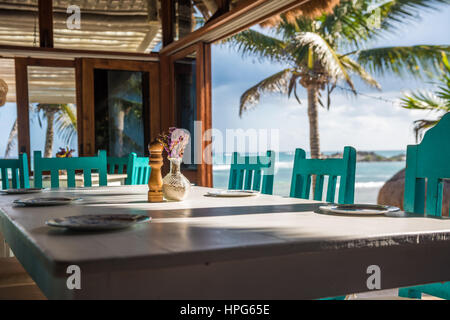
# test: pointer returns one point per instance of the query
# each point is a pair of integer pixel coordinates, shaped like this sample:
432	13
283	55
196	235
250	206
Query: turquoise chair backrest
246	172
87	164
344	168
19	172
117	165
138	170
430	161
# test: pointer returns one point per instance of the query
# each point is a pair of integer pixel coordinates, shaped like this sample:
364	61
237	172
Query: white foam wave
278	165
369	184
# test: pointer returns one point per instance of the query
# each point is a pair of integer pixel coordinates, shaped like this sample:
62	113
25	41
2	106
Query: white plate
358	209
45	201
232	193
98	221
21	191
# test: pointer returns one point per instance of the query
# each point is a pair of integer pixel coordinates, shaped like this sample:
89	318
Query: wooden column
204	173
167	21
207	115
23	117
45	23
79	93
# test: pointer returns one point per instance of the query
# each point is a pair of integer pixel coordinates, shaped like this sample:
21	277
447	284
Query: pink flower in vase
174	142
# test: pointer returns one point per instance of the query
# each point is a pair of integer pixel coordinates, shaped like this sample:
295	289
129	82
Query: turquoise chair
428	160
117	164
333	168
137	168
19	172
87	164
344	168
246	172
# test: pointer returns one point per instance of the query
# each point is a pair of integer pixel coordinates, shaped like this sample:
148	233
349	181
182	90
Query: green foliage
332	48
65	118
434	101
419	61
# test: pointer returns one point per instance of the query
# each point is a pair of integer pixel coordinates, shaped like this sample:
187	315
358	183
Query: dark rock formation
392	192
368	156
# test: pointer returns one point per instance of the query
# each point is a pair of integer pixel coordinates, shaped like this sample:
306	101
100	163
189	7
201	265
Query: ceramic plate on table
358	209
98	221
47	201
232	193
21	191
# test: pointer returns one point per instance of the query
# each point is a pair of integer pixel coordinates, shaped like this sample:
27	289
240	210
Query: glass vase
175	185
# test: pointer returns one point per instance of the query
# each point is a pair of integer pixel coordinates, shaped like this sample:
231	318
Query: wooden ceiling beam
246	14
70	54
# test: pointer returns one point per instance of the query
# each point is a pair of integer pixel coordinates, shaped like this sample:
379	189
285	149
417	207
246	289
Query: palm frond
327	56
253	43
66	122
357	69
395	12
424	100
276	83
419	60
421	125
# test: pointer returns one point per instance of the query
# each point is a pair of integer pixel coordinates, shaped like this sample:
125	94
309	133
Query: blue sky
362	122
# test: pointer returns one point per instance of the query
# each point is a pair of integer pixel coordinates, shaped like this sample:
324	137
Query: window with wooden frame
189	101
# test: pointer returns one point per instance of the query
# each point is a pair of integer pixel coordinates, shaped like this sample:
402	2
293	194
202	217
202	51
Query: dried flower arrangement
65	152
174	142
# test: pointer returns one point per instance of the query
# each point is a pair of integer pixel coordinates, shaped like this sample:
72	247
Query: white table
219	248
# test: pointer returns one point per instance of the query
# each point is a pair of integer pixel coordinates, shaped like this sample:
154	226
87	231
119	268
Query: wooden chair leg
22	292
4	250
12	273
15	283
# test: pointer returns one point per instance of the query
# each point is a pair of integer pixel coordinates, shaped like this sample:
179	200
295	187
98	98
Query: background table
264	247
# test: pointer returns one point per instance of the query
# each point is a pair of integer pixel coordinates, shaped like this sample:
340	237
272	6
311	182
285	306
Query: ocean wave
278	165
369	184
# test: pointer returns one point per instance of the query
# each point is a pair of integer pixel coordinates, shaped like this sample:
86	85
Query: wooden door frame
22	96
203	174
86	129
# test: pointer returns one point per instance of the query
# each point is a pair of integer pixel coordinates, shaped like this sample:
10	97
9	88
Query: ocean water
370	176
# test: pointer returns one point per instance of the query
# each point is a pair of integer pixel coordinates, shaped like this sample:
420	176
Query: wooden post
45	23
167	21
155	181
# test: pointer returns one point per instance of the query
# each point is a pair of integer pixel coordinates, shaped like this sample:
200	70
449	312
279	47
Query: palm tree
125	99
66	125
437	101
327	52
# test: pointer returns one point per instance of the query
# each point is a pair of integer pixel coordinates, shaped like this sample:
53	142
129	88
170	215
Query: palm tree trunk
313	116
11	139
50	115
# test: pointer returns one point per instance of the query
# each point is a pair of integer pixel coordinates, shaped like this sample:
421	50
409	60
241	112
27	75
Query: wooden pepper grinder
155	181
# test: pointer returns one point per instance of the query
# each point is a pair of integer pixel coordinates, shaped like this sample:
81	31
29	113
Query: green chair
87	164
137	168
19	172
117	164
246	172
430	161
333	168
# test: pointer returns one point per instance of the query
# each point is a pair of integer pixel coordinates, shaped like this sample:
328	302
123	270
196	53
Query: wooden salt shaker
155	181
